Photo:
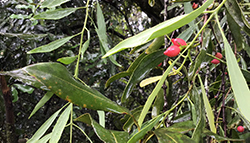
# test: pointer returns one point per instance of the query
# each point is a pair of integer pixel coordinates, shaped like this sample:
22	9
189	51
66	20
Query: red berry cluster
216	61
174	50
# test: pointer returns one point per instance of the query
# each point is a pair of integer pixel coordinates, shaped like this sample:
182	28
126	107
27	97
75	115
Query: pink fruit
218	55
172	51
215	61
179	42
240	129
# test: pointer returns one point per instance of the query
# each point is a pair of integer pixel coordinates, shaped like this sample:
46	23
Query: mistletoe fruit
172	51
215	61
240	129
179	42
218	55
195	5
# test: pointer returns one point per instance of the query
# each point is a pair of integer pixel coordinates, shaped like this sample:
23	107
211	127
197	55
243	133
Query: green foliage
192	99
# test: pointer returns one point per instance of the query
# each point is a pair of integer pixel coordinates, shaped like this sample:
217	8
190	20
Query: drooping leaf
54	77
67	60
53	3
55	14
60	125
51	46
144	67
158	30
164	135
45	98
109	136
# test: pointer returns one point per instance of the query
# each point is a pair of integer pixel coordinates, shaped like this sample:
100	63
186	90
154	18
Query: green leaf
164	135
53	3
155	45
14	94
144	67
39	133
44	139
182	127
147	126
109	136
85	45
55	14
236	13
220	138
237	80
130	120
151	2
54	77
117	76
67	60
24	88
45	98
101	115
149	80
20	16
158	104
51	46
101	32
158	30
60	125
208	109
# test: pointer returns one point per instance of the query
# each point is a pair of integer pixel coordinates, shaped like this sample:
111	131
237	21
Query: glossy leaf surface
158	30
109	136
55	77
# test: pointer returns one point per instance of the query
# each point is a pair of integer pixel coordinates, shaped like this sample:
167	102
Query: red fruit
172	51
218	55
240	129
215	61
179	42
159	64
195	5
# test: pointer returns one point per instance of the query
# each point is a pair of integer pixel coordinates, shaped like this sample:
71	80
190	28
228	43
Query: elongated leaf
51	46
24	88
67	60
158	30
55	77
109	136
39	133
117	76
149	80
237	80
101	32
45	98
155	45
147	126
45	139
158	104
164	135
60	125
53	3
55	14
220	138
208	109
129	120
144	67
101	115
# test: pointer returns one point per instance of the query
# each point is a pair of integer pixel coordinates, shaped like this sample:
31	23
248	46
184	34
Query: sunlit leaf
54	77
149	80
67	60
24	88
158	30
14	94
53	3
51	46
55	14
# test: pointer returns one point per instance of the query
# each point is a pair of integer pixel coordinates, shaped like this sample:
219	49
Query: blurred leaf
14	94
164	135
130	120
51	46
101	32
234	10
158	30
144	67
44	139
155	45
239	84
39	133
45	98
208	109
85	45
158	104
60	125
67	60
20	16
149	80
109	136
246	74
117	76
151	2
101	115
53	3
54	77
218	137
55	14
147	126
24	36
182	127
24	88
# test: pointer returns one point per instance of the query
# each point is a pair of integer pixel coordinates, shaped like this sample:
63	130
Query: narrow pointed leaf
51	46
55	14
109	136
60	125
45	98
149	80
67	60
158	30
220	138
45	139
158	104
55	77
53	3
